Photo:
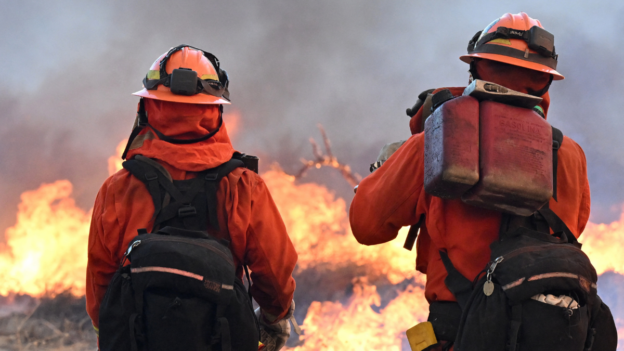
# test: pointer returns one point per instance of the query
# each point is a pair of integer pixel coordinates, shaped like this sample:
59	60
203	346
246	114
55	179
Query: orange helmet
517	40
186	74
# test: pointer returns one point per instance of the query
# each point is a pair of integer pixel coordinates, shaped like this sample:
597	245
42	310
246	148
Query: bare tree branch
327	160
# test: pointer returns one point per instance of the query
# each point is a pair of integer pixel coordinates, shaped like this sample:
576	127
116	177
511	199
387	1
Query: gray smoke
354	66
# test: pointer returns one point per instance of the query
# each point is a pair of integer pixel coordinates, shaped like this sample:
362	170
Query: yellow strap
209	76
97	331
500	41
153	74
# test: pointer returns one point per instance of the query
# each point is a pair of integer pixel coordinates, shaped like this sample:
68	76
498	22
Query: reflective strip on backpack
167	270
514	284
207	283
585	283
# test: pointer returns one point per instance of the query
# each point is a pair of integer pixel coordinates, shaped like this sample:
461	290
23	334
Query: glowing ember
46	249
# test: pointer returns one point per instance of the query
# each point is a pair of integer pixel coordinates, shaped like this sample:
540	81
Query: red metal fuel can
515	160
452	148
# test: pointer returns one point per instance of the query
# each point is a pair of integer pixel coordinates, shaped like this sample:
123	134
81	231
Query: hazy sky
69	68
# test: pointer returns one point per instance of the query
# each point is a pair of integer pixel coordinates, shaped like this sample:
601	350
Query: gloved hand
274	334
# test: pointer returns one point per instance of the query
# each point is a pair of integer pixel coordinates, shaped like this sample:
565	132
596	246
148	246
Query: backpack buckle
211	176
151	176
186	211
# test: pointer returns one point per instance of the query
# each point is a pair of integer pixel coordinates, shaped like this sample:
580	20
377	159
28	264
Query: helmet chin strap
544	90
473	70
142	122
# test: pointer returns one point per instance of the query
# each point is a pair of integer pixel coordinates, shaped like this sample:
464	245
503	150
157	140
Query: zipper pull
488	287
125	257
134	244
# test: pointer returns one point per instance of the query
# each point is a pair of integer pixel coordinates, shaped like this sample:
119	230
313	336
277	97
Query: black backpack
180	291
498	312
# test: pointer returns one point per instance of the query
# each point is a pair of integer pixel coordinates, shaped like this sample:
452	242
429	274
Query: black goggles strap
210	87
212	58
505	33
519	54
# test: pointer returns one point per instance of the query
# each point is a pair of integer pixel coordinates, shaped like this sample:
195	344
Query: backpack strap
212	178
251	162
162	190
149	176
222	329
557	136
558	225
206	181
412	234
514	327
460	286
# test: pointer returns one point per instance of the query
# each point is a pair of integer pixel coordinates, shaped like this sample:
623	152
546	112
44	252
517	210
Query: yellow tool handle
421	336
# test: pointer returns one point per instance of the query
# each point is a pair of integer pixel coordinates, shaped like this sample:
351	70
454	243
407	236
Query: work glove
385	154
274	334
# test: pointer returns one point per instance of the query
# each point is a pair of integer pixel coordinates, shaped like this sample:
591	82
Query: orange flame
319	228
46	248
114	162
356	326
232	121
604	245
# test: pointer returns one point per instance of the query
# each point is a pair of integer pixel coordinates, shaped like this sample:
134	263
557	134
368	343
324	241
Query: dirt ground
58	324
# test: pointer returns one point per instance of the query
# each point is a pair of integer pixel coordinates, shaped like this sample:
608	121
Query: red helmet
188	75
517	40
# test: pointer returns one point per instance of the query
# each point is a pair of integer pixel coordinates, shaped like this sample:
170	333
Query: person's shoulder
116	182
569	145
245	176
120	176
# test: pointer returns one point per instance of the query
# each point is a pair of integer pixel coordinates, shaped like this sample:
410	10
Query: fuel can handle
421	336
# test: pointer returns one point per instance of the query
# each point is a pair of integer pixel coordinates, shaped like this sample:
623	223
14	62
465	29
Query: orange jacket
393	196
255	228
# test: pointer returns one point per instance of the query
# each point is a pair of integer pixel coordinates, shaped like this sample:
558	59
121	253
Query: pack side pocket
115	310
606	334
174	321
551	328
243	323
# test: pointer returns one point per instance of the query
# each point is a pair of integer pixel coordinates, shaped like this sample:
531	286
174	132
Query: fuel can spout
483	90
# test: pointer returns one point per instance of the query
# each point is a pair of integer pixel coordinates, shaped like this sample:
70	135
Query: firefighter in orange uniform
393	195
184	133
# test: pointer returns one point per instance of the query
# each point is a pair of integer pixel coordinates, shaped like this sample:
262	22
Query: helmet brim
514	61
193	99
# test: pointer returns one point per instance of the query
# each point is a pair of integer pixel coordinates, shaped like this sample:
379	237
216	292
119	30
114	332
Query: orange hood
183	121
